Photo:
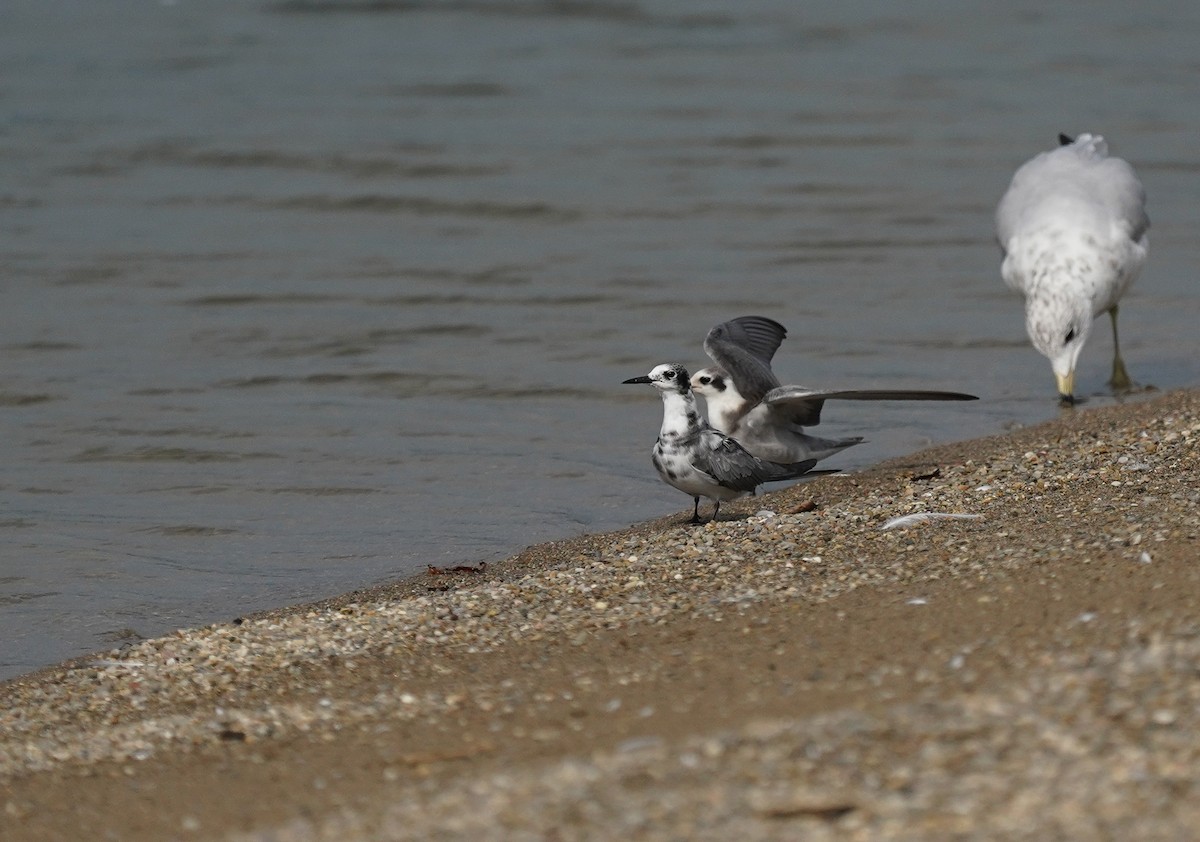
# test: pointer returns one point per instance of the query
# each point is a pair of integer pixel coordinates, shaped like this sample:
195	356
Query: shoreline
797	672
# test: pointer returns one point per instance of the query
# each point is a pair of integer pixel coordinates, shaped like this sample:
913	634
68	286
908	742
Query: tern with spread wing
746	400
698	460
1072	228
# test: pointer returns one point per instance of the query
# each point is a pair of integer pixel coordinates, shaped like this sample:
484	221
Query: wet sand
792	671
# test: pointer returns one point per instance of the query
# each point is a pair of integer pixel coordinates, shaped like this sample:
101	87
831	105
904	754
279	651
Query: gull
746	400
1072	229
698	460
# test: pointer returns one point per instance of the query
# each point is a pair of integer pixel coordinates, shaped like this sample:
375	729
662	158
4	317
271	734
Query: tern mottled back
747	401
698	460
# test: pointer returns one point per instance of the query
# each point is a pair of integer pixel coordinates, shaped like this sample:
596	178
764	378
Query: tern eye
705	380
668	375
1070	335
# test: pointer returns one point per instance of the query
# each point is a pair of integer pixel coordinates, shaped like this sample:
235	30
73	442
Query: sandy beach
1025	670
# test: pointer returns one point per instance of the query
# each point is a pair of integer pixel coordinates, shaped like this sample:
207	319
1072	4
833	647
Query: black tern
698	460
746	400
1073	231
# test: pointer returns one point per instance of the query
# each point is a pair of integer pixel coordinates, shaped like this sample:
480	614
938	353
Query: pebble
1055	492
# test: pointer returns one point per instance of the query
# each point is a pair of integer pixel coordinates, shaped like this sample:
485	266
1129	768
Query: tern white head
698	460
746	400
1073	230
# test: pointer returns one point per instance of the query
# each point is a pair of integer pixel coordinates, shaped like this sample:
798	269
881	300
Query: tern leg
696	511
716	508
1120	381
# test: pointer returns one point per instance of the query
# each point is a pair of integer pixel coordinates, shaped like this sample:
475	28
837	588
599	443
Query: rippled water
301	296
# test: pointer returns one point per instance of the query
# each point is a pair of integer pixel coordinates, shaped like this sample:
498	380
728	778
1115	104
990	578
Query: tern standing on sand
1072	227
698	460
746	400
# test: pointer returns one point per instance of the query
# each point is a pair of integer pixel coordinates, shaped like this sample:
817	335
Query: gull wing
743	347
803	406
1081	173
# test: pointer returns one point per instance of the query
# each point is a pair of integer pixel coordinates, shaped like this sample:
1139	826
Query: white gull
1072	227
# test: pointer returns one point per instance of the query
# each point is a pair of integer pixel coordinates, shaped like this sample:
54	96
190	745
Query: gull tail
1092	145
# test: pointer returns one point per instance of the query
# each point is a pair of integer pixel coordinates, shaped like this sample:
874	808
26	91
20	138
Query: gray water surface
297	297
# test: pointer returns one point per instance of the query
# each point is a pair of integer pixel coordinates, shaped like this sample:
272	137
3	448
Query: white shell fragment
921	517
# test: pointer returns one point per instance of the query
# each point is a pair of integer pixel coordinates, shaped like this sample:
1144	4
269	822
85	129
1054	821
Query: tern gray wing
743	347
758	335
803	406
727	462
731	465
793	470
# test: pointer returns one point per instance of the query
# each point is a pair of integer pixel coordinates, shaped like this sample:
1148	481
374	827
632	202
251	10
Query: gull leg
1120	381
696	511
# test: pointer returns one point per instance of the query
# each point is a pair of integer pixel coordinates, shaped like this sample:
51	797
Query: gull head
668	377
1058	327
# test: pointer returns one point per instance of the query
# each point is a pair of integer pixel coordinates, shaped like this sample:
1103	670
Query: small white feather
921	517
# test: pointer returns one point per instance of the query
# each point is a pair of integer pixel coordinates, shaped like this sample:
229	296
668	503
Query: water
302	296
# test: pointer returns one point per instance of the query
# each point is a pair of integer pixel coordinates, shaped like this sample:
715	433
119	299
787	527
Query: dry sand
793	671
